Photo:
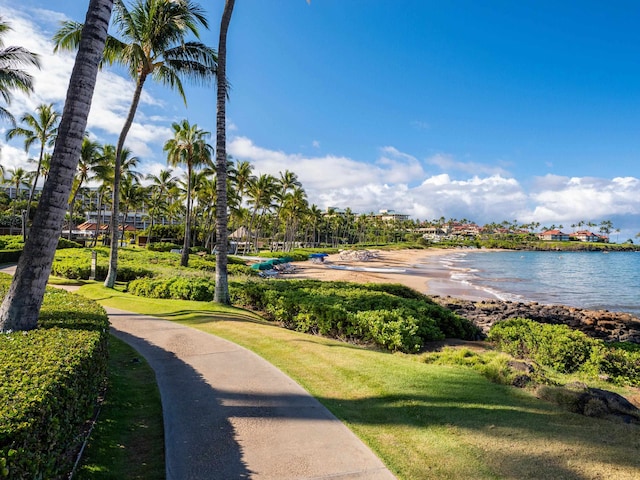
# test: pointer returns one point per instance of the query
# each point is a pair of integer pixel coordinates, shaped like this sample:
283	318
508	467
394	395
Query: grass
127	441
423	420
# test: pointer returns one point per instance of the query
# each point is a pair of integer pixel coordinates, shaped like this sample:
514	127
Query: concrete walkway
229	414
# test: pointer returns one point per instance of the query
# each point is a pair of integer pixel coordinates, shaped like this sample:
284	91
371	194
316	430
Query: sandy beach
421	270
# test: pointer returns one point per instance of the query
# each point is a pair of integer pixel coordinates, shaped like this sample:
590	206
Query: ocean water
592	280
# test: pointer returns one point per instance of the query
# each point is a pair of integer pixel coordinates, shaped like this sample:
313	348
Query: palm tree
21	305
261	196
12	77
159	189
17	179
88	158
152	45
42	129
221	291
131	197
188	147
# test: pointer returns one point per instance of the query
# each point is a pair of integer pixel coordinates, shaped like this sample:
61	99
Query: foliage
492	365
64	243
161	232
566	350
50	378
385	315
180	288
162	246
76	264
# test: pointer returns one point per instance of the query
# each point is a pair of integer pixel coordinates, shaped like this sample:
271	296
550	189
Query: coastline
419	269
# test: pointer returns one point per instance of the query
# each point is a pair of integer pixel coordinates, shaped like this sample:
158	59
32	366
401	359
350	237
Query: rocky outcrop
601	324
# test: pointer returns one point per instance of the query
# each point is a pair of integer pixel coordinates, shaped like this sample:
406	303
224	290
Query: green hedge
566	350
50	379
390	316
179	288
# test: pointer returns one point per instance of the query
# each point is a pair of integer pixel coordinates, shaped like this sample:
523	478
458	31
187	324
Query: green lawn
423	420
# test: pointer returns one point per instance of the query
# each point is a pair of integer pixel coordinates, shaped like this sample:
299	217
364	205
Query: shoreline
425	272
421	270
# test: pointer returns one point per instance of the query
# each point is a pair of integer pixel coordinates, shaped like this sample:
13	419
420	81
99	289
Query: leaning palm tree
12	77
221	291
152	44
188	147
41	129
21	305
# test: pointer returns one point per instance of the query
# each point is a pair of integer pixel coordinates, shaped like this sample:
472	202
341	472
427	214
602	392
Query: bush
353	312
163	246
50	379
178	288
566	350
64	243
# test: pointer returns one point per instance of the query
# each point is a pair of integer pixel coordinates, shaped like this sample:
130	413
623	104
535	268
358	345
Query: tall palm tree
21	305
131	197
221	291
40	129
12	77
188	147
102	172
152	44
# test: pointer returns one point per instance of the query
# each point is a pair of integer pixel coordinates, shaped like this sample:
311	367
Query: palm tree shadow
200	441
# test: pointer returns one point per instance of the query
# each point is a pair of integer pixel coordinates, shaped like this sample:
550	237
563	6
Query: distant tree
41	129
188	147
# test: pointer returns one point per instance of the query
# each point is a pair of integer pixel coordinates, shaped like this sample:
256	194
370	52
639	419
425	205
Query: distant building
391	216
587	236
554	235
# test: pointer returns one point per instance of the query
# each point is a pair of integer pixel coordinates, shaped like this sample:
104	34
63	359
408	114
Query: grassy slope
424	421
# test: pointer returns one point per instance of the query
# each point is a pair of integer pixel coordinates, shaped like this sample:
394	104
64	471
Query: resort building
586	236
554	235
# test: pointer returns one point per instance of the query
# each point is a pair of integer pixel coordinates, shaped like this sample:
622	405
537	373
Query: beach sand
423	271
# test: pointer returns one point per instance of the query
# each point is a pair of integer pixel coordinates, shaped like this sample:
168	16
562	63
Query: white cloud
448	163
113	93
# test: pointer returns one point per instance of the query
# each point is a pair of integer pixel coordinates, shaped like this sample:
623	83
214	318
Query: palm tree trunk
221	292
21	305
110	281
31	194
184	259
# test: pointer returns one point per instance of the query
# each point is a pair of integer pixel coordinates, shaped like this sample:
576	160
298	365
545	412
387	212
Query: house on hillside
587	236
554	235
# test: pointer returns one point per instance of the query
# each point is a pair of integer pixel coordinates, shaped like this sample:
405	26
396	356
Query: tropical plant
188	147
12	75
21	306
152	44
88	158
42	129
17	179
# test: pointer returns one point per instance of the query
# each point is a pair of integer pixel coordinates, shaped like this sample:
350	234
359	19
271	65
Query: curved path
229	414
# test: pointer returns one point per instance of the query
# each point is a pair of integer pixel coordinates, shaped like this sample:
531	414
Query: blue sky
490	111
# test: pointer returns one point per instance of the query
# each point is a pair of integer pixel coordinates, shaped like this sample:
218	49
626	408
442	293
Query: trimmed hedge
566	350
179	288
50	379
390	316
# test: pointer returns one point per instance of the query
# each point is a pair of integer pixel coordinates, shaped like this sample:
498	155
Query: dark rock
601	324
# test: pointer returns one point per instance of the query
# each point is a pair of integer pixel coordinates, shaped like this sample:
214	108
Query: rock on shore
601	324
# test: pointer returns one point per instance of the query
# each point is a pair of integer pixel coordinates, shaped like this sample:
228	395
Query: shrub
566	350
163	246
64	243
179	288
354	312
50	379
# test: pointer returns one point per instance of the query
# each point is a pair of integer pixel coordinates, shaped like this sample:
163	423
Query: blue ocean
592	280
